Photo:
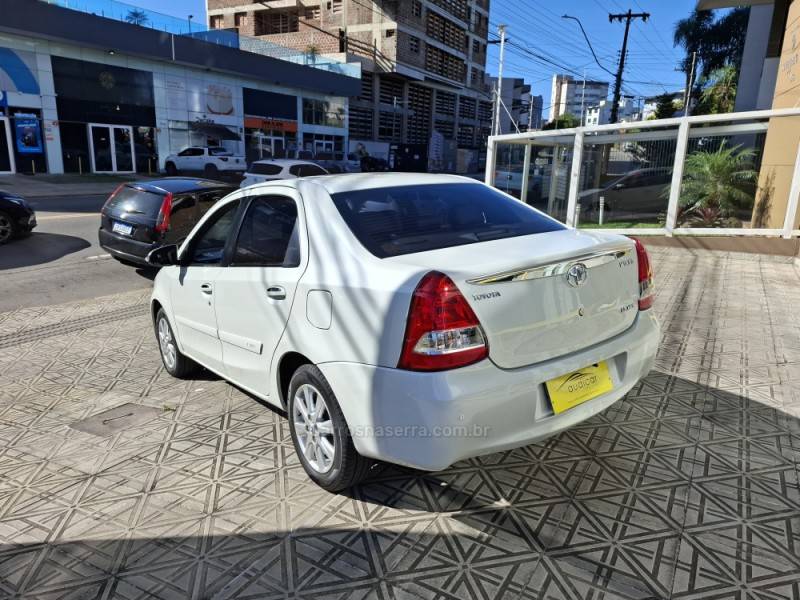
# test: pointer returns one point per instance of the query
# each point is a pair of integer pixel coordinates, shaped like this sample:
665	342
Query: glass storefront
323	146
106	117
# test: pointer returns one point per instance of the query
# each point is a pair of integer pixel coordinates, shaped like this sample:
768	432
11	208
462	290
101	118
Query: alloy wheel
314	428
5	229
167	344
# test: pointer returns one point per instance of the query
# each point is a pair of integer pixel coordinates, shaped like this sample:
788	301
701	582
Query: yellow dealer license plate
579	386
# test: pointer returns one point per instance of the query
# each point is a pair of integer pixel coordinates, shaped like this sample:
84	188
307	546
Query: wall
783	136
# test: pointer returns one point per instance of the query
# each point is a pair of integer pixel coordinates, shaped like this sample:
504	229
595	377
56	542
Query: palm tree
715	43
719	93
136	16
716	184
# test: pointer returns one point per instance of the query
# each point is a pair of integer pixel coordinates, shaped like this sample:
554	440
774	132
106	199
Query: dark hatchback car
16	216
141	216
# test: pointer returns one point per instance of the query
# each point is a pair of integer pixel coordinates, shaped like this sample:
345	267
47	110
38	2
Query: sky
538	26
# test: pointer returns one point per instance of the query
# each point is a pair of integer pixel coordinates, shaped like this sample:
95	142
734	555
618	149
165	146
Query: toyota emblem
577	274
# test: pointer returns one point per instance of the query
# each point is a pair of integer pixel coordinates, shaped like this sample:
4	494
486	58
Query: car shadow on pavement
39	248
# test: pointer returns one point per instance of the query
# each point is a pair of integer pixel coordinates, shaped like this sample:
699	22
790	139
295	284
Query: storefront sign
28	134
273	124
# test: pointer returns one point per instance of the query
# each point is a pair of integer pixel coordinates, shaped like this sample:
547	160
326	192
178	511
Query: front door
194	293
254	293
111	148
6	151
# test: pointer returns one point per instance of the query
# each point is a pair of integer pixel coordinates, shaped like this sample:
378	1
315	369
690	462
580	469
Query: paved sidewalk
44	185
687	488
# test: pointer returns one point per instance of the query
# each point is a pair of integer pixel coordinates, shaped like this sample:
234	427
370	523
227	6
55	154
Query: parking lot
687	488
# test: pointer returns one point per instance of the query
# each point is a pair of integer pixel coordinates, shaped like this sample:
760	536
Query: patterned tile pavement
688	488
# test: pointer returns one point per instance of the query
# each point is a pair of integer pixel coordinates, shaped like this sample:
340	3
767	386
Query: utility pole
627	17
496	125
688	95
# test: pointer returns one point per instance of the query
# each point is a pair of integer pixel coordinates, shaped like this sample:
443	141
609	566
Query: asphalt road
61	260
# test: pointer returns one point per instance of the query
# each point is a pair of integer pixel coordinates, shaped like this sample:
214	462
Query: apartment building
423	62
522	110
569	95
629	109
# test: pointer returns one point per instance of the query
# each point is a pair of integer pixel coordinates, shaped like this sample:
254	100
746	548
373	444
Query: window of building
416	8
390	33
476	47
216	21
323	112
335	6
270	22
413	44
240	19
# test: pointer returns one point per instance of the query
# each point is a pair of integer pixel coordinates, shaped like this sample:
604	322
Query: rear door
194	291
255	292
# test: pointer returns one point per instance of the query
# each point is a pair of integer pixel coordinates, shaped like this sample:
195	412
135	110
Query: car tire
171	169
210	172
8	228
176	363
333	464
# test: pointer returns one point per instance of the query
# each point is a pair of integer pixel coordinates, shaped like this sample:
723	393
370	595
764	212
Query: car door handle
276	292
206	288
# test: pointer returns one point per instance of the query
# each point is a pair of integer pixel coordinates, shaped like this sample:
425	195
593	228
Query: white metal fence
724	174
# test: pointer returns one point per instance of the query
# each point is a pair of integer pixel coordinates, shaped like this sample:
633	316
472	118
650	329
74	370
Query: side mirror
163	256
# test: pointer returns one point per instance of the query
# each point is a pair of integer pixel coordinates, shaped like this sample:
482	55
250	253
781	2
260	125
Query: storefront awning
214	130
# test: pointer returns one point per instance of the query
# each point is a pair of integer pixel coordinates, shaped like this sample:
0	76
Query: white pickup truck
211	161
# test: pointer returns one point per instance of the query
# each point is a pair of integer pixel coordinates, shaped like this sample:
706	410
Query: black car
16	216
140	216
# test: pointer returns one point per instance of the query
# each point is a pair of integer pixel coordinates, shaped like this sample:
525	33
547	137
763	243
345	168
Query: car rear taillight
647	293
442	331
164	213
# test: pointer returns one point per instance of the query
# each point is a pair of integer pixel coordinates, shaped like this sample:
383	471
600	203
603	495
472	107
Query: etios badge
577	274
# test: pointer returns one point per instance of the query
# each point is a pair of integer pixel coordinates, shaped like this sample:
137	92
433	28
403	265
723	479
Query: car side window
309	170
296	170
269	235
208	246
185	152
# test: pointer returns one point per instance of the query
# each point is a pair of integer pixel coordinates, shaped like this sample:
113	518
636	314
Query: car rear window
416	218
265	169
130	199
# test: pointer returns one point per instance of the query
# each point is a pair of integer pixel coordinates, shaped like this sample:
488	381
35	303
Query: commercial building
423	64
521	110
572	96
84	93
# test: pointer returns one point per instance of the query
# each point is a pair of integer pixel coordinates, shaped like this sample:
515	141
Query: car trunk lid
532	304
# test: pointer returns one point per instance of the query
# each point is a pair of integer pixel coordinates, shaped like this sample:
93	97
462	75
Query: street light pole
496	124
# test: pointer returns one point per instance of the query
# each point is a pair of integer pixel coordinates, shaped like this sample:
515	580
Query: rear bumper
125	248
431	420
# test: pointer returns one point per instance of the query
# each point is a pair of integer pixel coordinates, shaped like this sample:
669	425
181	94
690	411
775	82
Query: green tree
717	43
665	107
136	16
715	185
564	121
719	91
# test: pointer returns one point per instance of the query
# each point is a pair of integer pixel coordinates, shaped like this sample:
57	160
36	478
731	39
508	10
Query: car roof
284	162
350	182
178	185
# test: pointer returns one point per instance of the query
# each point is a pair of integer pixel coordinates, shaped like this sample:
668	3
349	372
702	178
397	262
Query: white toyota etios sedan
415	319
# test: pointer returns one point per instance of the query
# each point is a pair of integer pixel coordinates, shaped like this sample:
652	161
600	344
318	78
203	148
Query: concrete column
50	131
